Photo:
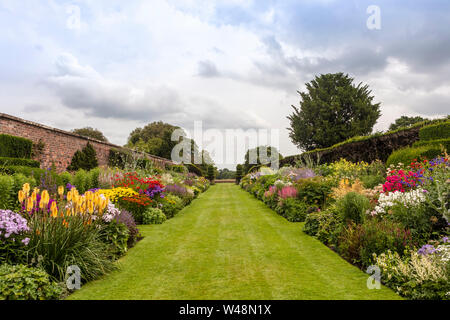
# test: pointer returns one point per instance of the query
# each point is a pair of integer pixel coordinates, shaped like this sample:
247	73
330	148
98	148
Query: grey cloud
207	69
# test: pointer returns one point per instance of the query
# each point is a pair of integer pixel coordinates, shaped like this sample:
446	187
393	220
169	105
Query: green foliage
191	168
262	155
153	216
4	161
93	179
435	143
57	246
211	174
116	235
81	181
292	209
91	133
15	147
65	178
172	205
19	282
370	181
7	197
181	168
435	132
332	110
405	122
358	243
118	158
226	174
239	173
352	207
85	159
314	191
407	155
324	225
28	171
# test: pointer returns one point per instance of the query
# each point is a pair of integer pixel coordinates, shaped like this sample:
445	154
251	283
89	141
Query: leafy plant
19	282
85	159
352	207
153	216
15	147
116	235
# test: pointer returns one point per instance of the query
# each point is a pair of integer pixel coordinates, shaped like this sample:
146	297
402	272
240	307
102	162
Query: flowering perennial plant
287	192
13	224
408	199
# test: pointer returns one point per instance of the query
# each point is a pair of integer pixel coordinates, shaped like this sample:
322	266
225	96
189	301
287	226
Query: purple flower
12	224
445	240
426	250
26	241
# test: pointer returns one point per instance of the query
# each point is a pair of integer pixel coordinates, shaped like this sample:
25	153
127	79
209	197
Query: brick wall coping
68	133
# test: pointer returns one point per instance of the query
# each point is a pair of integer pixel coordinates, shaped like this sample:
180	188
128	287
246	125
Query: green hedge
435	132
407	155
378	146
4	161
436	143
28	171
118	158
15	147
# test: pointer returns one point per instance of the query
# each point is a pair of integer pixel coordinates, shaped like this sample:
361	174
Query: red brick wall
59	145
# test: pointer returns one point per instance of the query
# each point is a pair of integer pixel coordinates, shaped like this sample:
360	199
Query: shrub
4	161
15	147
371	181
116	234
292	209
153	216
85	159
7	196
20	282
358	243
133	233
314	191
65	178
352	207
119	158
239	173
93	179
435	132
171	205
407	155
81	181
28	171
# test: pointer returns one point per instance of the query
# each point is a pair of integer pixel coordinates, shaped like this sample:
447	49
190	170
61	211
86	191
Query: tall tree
91	133
405	121
260	155
332	110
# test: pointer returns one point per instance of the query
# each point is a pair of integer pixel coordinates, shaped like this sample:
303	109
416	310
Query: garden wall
58	145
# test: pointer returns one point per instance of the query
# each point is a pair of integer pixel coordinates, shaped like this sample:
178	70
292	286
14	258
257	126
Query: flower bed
396	219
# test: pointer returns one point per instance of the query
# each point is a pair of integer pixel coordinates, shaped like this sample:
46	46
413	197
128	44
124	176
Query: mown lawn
228	245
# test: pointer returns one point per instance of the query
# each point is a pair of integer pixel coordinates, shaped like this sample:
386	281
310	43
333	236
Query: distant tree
84	159
226	174
263	155
404	122
91	133
332	110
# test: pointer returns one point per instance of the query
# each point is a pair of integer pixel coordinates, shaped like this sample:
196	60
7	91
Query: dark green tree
262	155
85	159
226	174
332	110
91	133
404	122
238	173
211	174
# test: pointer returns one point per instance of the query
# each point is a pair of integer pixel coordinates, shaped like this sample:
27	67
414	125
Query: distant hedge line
5	161
377	146
15	147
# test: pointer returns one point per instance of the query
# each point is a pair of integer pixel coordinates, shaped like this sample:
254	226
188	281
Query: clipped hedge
378	146
5	161
28	171
407	155
15	147
436	143
435	132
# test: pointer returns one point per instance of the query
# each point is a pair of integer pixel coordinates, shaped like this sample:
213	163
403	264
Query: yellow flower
26	189
30	204
69	195
54	210
60	190
21	196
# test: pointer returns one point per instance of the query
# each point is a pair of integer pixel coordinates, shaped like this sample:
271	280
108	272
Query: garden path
228	245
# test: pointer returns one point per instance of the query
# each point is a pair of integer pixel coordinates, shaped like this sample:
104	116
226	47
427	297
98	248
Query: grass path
228	245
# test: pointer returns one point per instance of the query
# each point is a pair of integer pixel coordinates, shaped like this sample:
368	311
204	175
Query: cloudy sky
116	65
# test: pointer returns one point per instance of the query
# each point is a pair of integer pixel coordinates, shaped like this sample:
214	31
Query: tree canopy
332	110
405	121
91	133
261	155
